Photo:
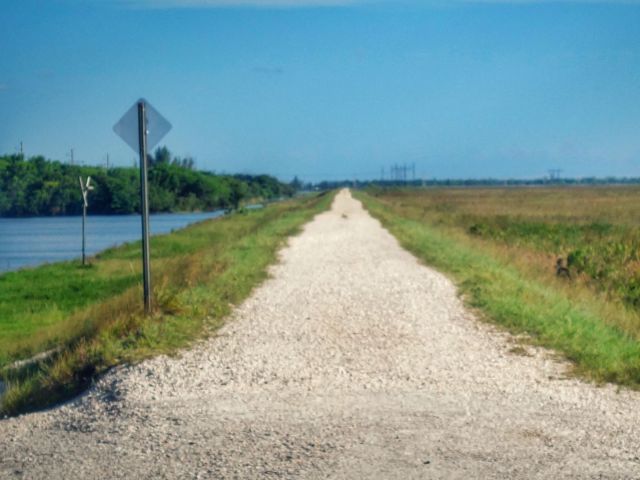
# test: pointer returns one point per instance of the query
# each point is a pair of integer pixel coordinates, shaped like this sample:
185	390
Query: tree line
41	187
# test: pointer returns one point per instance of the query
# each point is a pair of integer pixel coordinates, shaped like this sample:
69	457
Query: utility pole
71	157
21	149
554	174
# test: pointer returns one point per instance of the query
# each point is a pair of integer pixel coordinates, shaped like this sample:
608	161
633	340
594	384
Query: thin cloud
287	4
45	74
530	2
160	4
268	70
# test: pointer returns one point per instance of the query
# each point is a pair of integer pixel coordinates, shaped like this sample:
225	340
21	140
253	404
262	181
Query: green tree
38	186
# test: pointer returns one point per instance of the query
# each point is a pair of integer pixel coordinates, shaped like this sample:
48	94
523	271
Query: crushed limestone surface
352	361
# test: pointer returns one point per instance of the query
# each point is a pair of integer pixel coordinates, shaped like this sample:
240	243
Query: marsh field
502	245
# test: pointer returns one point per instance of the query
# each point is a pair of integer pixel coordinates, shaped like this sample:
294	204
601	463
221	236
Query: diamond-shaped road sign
141	128
127	126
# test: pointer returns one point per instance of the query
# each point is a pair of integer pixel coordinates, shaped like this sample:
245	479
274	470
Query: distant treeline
41	187
475	182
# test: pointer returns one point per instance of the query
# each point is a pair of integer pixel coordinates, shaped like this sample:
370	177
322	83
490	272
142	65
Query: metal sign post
141	128
144	203
84	188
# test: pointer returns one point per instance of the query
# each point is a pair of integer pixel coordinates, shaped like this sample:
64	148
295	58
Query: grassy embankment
95	313
500	246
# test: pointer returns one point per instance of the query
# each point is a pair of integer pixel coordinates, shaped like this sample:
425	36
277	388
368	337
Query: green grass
595	230
95	313
597	336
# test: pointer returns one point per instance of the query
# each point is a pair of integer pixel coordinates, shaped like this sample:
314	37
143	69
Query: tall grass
595	230
198	274
512	283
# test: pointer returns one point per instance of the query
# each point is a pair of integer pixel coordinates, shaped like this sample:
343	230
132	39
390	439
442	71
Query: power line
400	173
554	173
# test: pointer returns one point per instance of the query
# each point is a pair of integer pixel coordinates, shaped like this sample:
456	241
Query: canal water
27	242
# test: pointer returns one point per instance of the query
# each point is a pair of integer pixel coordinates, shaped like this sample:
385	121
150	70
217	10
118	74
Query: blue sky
331	89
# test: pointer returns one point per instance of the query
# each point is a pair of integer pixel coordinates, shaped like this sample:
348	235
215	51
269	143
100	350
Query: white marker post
84	188
141	128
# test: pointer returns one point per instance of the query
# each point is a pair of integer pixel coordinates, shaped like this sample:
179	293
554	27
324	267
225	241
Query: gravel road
352	361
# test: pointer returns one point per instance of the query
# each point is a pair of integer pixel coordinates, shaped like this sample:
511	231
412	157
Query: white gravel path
353	361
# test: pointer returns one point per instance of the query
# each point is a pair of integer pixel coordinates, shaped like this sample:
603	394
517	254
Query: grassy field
501	246
94	316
